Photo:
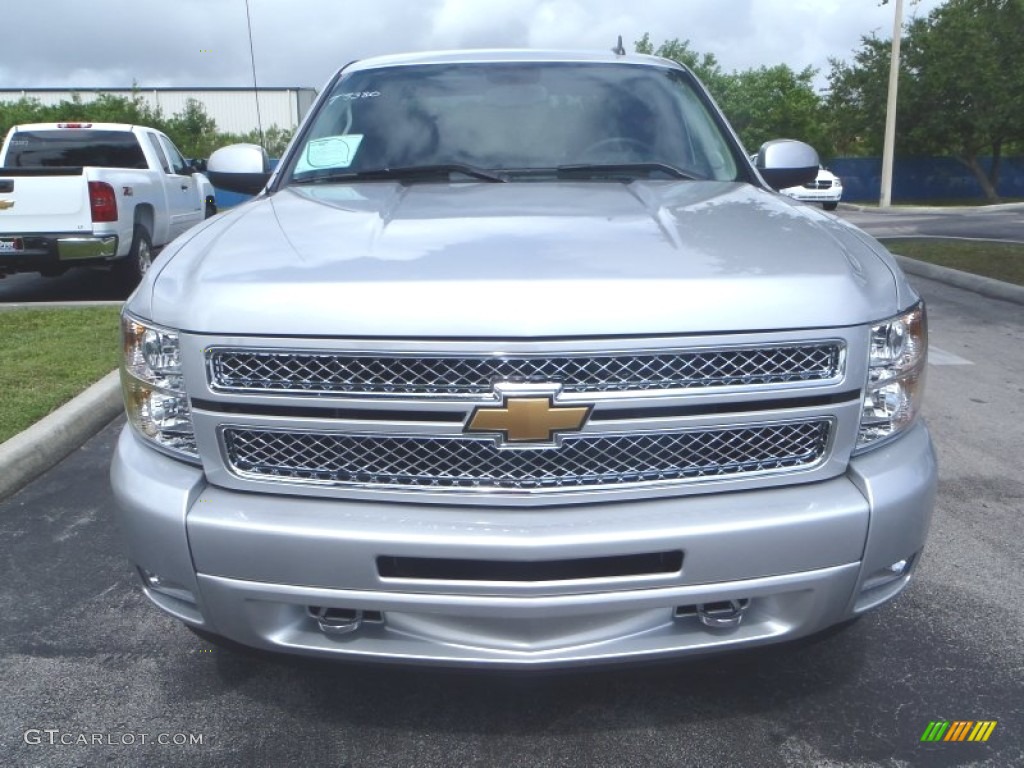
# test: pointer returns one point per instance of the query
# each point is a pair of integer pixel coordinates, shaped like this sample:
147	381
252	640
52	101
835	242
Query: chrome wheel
143	256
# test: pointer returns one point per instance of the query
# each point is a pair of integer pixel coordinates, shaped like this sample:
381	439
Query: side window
159	152
178	164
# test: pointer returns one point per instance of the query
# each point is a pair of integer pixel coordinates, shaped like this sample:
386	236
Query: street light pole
890	108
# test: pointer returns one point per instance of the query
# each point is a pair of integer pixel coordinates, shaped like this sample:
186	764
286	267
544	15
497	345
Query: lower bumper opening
342	621
437	569
885	583
721	614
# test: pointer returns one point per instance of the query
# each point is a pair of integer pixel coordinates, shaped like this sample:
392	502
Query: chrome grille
470	464
308	372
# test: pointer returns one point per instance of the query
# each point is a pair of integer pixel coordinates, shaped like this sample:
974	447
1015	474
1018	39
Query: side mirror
787	163
198	165
241	168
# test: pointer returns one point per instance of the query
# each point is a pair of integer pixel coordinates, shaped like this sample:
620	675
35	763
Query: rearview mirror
241	168
787	163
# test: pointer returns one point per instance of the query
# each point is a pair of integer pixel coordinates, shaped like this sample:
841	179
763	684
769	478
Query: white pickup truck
81	194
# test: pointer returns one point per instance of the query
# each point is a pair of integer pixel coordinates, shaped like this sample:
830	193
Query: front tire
830	206
131	269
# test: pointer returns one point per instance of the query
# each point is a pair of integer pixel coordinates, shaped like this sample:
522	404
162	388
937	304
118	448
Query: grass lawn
1002	261
47	356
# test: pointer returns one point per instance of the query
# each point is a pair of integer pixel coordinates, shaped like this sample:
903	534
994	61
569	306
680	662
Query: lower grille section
470	464
646	564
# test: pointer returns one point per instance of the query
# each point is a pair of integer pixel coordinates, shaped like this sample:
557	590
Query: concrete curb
936	209
58	304
986	286
30	453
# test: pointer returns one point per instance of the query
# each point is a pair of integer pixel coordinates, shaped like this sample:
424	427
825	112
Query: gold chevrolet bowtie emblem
528	419
5	204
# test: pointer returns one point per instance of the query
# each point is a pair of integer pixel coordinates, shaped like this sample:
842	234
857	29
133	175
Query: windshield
73	147
516	118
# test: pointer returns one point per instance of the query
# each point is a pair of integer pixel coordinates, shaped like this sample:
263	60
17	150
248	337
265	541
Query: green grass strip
1001	261
48	356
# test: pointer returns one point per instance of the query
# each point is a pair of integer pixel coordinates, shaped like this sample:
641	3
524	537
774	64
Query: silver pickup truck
517	359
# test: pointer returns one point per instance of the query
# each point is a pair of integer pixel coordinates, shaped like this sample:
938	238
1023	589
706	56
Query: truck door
183	199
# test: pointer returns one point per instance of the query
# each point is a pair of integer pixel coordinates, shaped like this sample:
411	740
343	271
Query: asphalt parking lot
92	675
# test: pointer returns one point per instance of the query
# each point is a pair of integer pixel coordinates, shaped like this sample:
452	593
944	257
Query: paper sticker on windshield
330	152
355	96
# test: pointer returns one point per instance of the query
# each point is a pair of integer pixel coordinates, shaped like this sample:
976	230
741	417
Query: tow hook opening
723	614
342	621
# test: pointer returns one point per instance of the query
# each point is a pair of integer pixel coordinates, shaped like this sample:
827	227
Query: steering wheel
622	141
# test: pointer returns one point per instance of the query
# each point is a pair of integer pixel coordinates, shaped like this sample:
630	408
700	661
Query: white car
826	189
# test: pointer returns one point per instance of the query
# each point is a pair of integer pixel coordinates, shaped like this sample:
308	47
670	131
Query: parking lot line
938	356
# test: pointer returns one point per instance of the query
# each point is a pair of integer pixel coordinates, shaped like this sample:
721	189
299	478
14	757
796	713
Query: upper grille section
398	375
473	464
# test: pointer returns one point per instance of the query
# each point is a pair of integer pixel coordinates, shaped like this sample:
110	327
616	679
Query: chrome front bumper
833	195
251	566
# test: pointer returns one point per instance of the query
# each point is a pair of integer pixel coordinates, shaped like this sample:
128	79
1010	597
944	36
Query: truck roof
508	55
72	125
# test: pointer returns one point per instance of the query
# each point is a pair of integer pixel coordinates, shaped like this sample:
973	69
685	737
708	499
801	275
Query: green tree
275	139
704	65
106	108
762	104
855	104
193	131
967	65
961	91
776	102
24	110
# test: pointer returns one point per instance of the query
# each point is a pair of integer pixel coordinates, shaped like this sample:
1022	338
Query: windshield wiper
592	170
408	173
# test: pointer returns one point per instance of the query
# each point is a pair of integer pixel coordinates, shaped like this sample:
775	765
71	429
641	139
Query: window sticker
329	152
354	96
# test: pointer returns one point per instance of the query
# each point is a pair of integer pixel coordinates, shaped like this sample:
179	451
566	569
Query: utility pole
890	108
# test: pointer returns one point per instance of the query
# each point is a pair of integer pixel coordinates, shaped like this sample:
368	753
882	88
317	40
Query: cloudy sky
113	43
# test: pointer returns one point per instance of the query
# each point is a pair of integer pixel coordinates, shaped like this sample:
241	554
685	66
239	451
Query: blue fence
924	178
913	179
227	199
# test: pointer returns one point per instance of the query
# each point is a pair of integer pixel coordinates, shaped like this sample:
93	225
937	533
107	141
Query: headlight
154	394
899	350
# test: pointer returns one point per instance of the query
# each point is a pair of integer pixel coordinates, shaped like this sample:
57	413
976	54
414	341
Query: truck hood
519	260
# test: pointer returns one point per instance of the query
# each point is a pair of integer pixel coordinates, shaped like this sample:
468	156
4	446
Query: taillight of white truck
102	202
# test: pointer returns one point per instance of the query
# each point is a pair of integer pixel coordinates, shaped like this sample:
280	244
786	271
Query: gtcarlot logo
57	737
959	730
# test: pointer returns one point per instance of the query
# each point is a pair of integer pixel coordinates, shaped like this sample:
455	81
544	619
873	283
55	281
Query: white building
234	109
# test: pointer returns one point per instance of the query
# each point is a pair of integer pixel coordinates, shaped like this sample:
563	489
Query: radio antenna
255	89
618	50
